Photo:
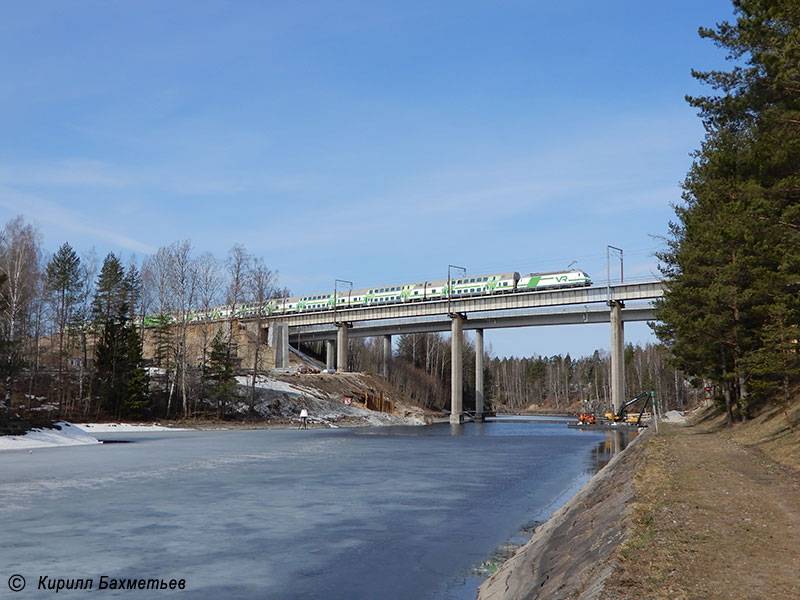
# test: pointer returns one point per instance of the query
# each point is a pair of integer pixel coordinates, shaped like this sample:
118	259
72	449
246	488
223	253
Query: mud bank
570	555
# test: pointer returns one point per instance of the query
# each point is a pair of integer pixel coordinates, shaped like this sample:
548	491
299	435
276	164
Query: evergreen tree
119	379
732	264
111	301
62	276
136	397
219	370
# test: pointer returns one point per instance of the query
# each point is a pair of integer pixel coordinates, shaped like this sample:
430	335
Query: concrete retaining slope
569	556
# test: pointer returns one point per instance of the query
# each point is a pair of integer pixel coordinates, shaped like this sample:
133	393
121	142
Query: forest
732	309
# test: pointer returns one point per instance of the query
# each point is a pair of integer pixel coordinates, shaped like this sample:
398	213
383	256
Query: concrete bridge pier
387	355
341	347
617	356
330	354
478	375
456	369
278	338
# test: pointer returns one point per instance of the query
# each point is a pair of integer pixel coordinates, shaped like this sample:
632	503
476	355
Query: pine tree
63	282
219	370
111	301
732	265
136	397
119	379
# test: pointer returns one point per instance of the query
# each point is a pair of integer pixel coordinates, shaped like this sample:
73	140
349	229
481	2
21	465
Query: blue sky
368	141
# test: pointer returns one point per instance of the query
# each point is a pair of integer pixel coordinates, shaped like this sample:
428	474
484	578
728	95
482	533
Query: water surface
391	512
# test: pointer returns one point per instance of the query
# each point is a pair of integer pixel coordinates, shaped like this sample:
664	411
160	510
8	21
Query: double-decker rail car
441	289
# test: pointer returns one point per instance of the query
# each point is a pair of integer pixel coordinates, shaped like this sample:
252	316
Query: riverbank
568	553
698	511
331	400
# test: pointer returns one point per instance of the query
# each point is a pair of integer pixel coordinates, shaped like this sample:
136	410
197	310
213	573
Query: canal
391	512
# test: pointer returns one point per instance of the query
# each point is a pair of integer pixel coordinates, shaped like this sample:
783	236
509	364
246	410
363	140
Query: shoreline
570	553
66	433
648	525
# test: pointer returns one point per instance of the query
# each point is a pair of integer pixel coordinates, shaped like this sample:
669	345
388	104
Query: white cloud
45	211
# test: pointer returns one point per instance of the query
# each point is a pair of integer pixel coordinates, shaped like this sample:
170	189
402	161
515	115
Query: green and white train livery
464	287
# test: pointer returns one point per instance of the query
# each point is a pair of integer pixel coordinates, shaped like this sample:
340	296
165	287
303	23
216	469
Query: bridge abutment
457	370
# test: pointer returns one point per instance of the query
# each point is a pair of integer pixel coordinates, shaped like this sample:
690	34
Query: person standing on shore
303	419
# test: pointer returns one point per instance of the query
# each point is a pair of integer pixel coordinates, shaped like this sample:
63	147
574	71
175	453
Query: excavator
619	417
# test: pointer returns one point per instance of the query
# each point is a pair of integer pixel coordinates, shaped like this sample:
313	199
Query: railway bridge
613	304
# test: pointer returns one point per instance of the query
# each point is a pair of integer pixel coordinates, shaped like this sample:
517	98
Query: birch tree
260	287
20	263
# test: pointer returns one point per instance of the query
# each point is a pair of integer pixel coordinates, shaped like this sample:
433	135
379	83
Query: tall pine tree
63	282
731	311
120	381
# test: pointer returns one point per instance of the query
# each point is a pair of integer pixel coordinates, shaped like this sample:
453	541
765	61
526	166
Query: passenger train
464	287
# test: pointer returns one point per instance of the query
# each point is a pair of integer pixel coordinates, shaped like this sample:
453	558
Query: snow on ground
68	435
111	427
72	434
675	417
267	383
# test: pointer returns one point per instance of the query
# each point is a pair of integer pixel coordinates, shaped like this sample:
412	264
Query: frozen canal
390	513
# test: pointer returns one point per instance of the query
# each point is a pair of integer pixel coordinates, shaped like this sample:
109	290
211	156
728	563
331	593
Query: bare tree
238	264
156	290
183	286
260	288
209	288
20	257
170	284
89	268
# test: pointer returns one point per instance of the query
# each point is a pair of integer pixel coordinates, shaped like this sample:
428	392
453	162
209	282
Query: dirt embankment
330	400
698	511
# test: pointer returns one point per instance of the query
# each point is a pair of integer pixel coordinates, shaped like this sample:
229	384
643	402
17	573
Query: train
463	287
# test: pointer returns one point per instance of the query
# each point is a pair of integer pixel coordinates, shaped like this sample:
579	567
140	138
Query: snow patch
675	417
68	435
267	383
111	427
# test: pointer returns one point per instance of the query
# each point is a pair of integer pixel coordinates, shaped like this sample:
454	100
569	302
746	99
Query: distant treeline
421	369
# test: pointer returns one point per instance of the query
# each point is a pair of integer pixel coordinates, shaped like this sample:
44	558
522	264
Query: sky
375	142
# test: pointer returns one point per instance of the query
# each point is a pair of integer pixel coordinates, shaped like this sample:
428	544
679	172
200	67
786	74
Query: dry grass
717	513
